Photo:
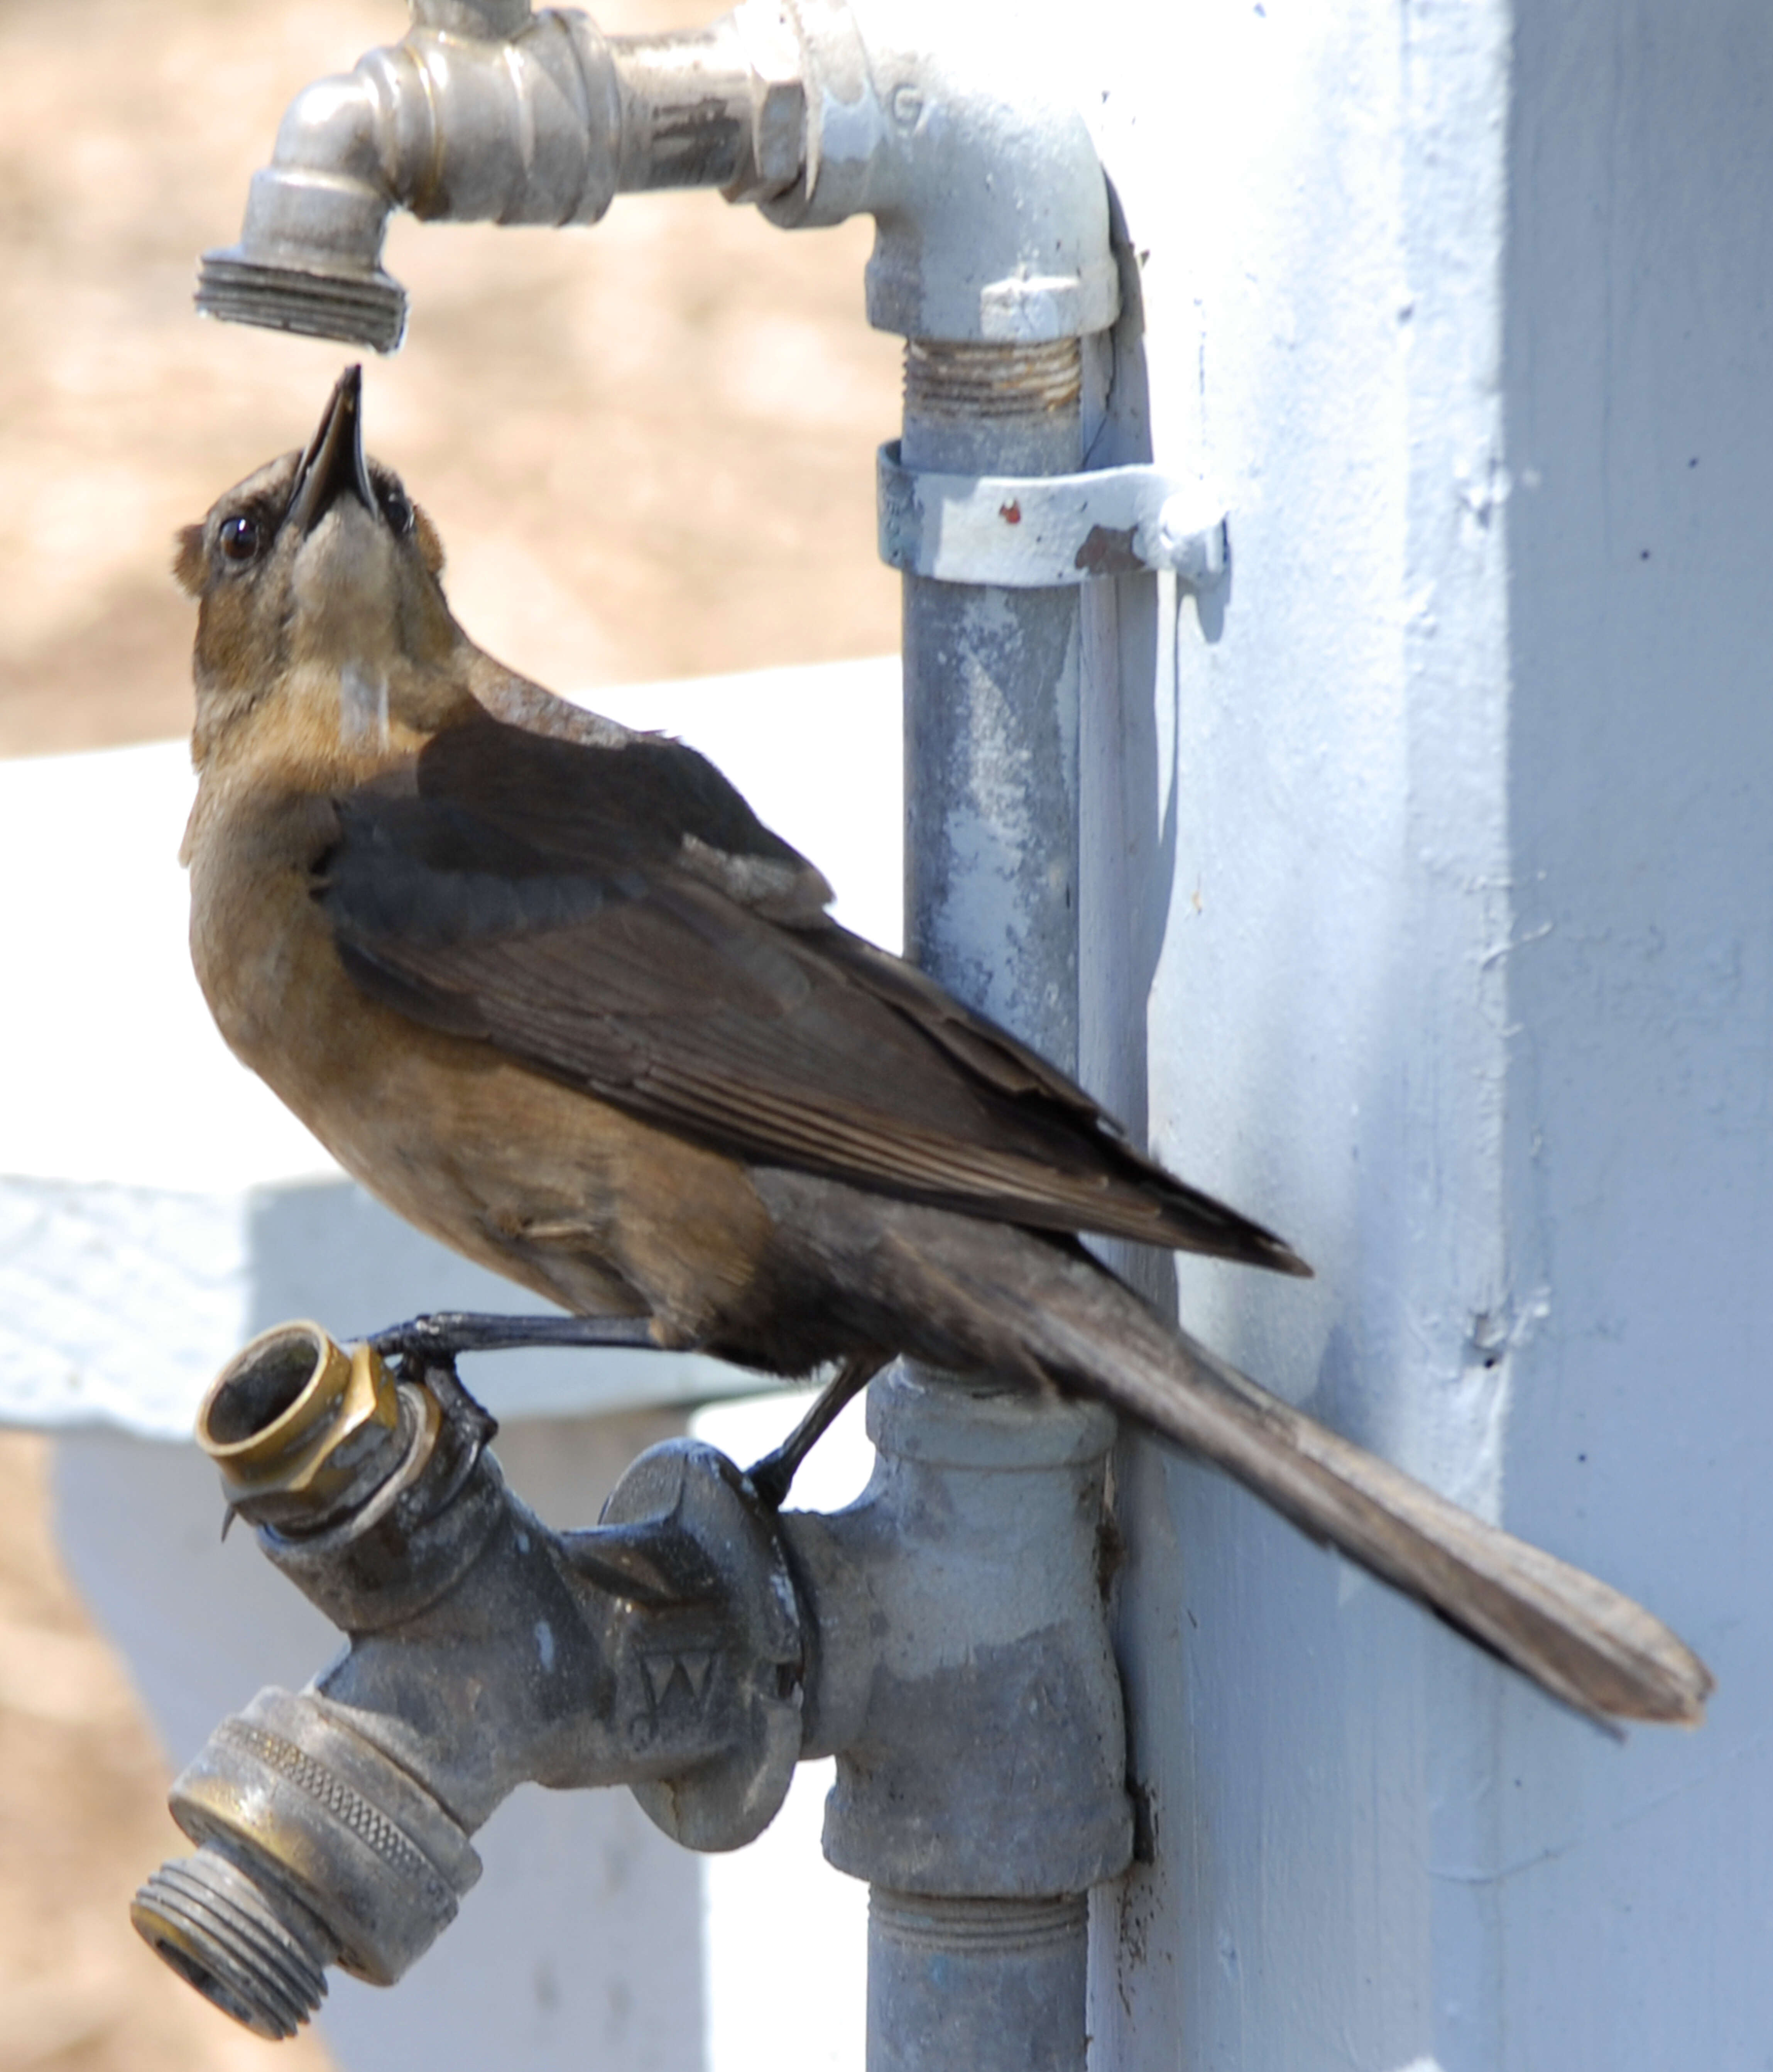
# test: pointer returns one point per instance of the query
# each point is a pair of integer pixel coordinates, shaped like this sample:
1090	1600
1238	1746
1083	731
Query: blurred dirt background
649	448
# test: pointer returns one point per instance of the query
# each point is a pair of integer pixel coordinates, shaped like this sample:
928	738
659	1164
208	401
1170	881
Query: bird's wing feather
536	893
603	799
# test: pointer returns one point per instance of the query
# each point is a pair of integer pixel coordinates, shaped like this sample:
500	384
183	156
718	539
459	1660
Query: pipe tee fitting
964	1681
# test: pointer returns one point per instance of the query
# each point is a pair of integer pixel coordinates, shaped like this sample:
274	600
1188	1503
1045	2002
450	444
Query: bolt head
1190	538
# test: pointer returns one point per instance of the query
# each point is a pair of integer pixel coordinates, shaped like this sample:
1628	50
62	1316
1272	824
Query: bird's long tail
1023	1303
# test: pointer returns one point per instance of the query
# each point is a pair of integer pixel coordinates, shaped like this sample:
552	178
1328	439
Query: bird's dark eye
398	510
241	538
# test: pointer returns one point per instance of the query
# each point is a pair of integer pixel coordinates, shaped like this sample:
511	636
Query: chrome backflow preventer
486	113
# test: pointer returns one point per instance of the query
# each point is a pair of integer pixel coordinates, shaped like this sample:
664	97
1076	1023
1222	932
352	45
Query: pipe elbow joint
989	200
663	1650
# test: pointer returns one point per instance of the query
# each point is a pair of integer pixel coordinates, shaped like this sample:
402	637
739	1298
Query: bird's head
317	579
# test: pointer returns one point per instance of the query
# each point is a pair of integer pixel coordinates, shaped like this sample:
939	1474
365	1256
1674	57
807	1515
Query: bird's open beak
333	465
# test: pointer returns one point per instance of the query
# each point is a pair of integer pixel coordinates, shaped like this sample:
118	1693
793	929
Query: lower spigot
250	1947
314	1848
663	1650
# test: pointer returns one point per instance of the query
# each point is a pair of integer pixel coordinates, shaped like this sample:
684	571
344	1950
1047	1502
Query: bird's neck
328	725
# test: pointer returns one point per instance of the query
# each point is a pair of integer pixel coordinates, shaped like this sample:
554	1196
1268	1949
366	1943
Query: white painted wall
1445	848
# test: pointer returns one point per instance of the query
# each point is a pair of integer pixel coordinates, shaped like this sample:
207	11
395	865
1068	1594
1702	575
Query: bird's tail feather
1085	1331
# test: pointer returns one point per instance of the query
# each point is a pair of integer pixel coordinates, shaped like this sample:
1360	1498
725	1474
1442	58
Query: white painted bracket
1037	532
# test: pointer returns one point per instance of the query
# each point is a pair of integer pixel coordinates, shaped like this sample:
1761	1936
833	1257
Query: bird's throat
363	707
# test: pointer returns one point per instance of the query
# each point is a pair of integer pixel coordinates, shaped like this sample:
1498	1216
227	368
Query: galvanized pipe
991	681
978	1938
965	1680
994	1985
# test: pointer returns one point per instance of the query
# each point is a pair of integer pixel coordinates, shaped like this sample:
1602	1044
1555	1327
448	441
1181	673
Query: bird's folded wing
601	919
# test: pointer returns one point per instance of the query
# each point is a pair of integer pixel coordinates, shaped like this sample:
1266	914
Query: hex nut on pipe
293	1419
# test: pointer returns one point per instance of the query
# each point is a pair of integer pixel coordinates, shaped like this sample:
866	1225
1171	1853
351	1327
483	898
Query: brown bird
551	990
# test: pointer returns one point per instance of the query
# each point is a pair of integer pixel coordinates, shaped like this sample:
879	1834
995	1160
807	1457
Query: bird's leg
427	1349
445	1332
773	1475
436	1339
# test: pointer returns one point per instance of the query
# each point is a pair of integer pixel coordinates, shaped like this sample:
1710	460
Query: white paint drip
363	706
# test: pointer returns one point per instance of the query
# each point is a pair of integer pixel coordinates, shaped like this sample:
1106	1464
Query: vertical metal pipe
991	708
984	1976
975	1985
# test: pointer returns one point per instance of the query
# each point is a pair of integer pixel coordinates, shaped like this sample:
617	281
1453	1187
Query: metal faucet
487	112
693	1646
991	206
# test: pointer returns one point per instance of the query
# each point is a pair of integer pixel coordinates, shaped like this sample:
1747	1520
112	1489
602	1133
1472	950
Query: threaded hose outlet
314	1848
366	309
249	1947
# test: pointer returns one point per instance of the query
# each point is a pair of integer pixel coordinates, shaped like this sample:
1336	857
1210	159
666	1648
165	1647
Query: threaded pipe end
253	1950
301	1429
972	408
357	309
929	1923
972	381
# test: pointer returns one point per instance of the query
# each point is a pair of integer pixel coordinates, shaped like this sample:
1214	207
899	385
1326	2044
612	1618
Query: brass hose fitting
315	1849
294	1423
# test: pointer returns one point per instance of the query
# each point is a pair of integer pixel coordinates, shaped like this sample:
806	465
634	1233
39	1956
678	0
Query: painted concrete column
1446	840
